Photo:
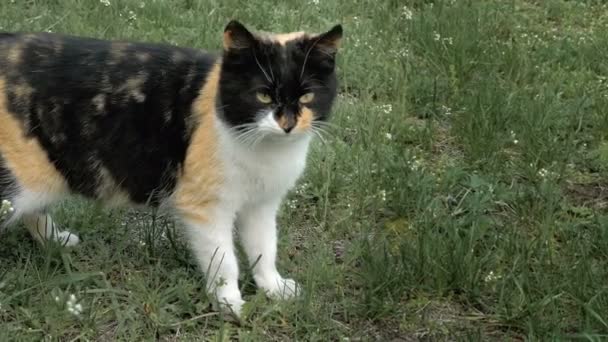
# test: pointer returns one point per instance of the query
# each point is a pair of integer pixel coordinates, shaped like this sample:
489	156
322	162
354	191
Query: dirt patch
593	195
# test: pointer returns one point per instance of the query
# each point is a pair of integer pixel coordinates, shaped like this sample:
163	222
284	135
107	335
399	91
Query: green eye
263	97
307	98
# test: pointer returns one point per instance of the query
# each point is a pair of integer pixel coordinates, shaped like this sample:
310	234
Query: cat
215	139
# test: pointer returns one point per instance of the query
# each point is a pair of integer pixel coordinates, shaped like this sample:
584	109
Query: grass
463	196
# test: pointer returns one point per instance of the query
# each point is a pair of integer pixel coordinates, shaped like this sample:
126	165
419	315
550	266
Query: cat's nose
289	128
287	122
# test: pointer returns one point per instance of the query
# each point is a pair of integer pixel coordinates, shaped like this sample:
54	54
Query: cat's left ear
329	42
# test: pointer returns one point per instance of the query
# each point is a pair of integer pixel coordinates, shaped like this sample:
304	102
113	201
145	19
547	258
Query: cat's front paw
281	288
230	306
66	238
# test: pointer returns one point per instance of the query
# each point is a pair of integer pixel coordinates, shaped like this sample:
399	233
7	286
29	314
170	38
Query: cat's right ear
236	36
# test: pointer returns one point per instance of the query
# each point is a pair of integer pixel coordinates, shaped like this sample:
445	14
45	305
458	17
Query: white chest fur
262	172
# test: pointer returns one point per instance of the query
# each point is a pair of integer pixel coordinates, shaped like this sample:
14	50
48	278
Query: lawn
462	194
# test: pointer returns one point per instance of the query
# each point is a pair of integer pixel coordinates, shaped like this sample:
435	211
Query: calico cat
216	140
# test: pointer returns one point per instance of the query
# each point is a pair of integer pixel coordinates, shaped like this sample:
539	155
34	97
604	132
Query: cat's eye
264	98
307	98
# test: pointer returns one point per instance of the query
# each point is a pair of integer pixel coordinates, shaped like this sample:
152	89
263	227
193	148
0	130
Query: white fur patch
268	123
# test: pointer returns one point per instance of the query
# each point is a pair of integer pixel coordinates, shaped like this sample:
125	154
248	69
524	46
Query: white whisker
260	66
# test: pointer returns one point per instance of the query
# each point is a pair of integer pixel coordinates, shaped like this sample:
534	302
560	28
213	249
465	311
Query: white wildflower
446	110
407	13
437	36
386	108
6	208
132	16
543	173
73	306
105	2
404	52
491	277
389	136
514	137
383	195
414	164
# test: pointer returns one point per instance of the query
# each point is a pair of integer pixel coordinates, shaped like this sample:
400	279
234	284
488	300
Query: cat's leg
212	243
31	206
43	229
258	232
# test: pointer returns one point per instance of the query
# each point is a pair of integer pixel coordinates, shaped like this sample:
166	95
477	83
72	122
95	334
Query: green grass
463	196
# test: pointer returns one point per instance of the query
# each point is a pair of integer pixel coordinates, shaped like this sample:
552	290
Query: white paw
230	306
281	288
66	238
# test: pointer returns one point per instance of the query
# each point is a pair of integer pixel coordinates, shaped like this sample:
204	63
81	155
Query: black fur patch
92	103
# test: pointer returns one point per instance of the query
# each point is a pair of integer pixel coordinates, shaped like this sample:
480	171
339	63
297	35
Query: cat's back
70	66
99	107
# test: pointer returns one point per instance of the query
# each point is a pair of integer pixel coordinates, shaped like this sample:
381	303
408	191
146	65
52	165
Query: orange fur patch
199	183
24	156
284	38
305	120
282	121
108	190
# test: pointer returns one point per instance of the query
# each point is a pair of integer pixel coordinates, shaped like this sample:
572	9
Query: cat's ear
236	36
324	48
329	42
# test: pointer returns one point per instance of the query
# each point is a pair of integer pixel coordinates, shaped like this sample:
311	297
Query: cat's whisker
313	88
307	55
269	67
261	68
323	127
248	136
326	124
322	130
318	134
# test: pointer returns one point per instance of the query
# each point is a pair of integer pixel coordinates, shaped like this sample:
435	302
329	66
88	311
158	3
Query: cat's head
277	84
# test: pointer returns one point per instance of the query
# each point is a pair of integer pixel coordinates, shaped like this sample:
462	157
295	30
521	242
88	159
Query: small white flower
6	208
446	110
383	195
105	2
437	36
543	173
386	108
389	136
132	16
515	141
414	164
407	13
491	277
73	306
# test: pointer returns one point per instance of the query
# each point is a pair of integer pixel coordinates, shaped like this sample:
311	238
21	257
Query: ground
461	194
